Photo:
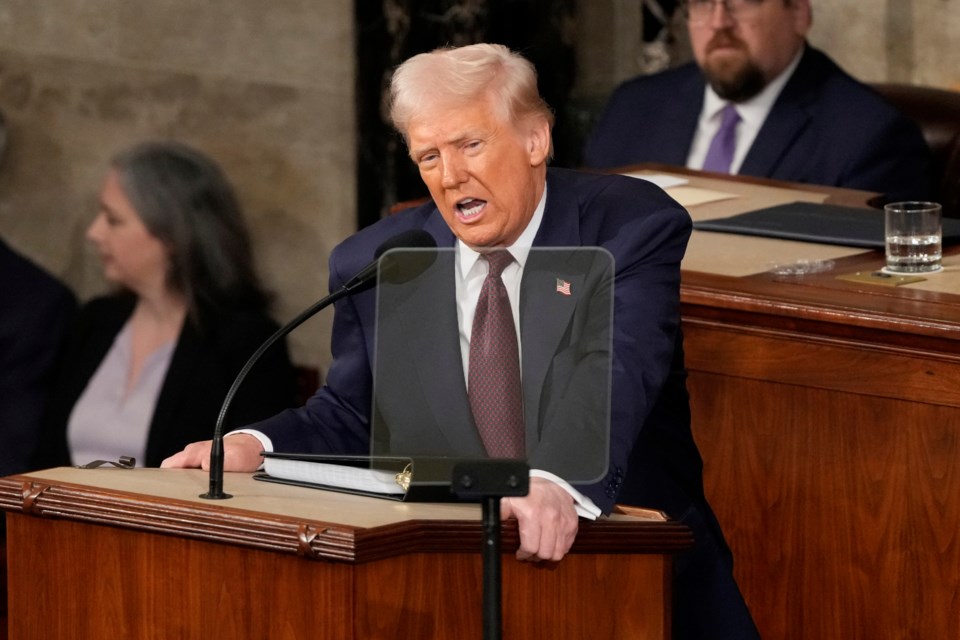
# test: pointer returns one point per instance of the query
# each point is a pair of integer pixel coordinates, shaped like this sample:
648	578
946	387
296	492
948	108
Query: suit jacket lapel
186	353
681	119
439	365
561	216
786	121
544	312
544	315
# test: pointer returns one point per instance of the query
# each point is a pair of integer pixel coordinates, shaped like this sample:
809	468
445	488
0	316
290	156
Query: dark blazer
644	230
653	459
35	311
825	128
202	368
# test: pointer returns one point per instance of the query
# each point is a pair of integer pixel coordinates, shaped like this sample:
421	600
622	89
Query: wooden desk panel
828	416
842	508
78	580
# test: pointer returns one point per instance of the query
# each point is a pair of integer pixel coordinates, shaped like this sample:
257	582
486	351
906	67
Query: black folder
814	222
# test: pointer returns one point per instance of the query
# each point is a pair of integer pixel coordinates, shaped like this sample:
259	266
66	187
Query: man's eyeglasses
700	11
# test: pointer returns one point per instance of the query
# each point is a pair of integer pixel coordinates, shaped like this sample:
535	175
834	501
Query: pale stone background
264	87
912	41
267	89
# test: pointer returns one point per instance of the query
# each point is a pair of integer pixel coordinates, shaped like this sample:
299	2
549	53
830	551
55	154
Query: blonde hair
451	77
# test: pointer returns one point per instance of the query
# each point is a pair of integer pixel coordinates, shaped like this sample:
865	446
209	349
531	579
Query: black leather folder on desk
814	222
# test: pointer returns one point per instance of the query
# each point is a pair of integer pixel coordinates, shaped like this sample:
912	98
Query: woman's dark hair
186	202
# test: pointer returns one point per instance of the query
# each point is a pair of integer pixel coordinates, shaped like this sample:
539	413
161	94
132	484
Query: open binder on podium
390	478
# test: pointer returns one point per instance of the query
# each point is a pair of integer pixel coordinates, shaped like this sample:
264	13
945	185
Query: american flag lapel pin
563	287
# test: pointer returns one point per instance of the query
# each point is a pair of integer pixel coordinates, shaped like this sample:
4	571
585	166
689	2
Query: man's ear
538	141
802	16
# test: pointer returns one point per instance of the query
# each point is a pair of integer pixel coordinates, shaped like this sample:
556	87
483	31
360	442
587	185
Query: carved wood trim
313	540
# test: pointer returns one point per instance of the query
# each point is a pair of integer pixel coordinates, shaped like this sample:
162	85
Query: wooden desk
135	554
828	416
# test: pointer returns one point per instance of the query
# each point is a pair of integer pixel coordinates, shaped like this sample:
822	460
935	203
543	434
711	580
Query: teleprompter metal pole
492	598
488	481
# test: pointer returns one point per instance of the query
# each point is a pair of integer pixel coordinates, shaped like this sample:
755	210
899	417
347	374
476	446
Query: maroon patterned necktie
494	372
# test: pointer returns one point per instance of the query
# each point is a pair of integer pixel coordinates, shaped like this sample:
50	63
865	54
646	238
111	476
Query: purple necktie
494	370
724	143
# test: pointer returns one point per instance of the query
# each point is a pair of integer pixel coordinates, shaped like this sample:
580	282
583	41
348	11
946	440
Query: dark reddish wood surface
828	416
92	562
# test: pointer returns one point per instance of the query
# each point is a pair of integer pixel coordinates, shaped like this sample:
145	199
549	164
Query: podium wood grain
828	416
135	554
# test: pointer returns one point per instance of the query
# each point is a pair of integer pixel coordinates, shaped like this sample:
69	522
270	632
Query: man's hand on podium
546	519
241	453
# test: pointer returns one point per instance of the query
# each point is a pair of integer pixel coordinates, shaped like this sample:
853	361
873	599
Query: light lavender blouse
108	421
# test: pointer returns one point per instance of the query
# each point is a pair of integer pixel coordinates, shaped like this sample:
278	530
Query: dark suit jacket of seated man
824	128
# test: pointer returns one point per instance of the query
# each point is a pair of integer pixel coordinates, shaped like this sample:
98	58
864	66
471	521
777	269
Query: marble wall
268	89
892	40
875	40
264	87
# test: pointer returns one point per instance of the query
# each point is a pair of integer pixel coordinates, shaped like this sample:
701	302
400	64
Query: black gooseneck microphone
365	278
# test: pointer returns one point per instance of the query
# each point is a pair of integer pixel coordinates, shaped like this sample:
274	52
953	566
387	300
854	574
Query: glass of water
914	237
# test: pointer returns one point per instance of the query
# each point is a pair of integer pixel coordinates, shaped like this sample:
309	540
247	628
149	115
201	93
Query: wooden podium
112	553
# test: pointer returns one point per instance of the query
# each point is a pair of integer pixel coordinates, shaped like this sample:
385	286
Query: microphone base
215	496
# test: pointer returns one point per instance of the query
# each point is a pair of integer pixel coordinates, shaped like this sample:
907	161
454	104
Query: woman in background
146	369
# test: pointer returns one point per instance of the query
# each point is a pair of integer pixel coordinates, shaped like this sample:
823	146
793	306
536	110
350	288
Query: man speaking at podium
480	134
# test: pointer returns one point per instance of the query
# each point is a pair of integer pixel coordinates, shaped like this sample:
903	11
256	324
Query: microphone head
411	239
404	266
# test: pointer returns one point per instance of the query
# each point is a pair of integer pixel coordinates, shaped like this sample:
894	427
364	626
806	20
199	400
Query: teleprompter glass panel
421	409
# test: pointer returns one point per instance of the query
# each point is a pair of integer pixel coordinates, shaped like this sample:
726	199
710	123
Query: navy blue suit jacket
825	128
654	461
646	232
